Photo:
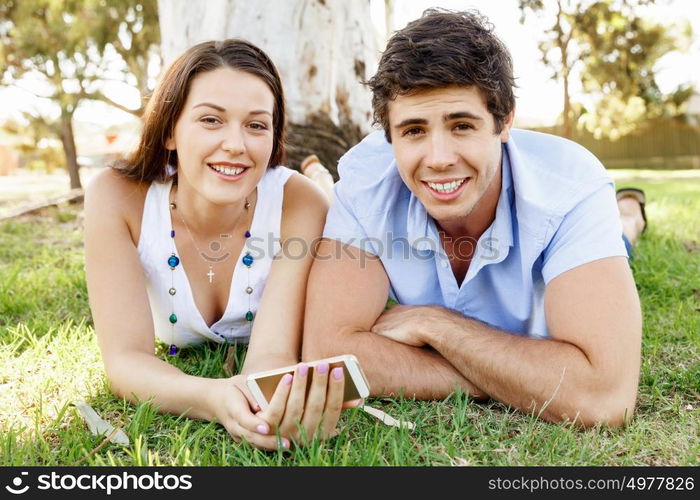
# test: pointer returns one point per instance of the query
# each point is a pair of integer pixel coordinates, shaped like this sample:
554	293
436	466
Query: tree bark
69	149
323	50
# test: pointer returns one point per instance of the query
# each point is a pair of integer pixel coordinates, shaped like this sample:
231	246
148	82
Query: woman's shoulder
301	193
110	194
304	203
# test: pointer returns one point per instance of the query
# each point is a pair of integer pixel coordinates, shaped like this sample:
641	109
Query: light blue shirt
556	211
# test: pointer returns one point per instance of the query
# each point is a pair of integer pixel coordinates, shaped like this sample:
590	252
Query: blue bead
249	316
172	233
248	260
173	261
247	234
173	350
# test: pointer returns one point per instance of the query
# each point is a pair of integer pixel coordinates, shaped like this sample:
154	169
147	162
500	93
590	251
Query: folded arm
347	292
587	371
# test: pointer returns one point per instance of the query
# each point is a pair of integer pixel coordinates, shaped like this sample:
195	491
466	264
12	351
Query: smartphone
263	384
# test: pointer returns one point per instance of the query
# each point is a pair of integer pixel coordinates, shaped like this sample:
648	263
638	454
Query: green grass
49	359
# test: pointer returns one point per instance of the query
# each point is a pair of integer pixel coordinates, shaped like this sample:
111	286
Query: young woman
183	241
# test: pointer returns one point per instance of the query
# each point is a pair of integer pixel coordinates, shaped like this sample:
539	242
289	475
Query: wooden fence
666	144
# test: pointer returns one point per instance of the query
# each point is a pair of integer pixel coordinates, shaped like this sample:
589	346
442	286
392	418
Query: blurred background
621	77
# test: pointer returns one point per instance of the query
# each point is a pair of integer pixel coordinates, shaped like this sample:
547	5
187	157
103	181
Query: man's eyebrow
461	114
411	121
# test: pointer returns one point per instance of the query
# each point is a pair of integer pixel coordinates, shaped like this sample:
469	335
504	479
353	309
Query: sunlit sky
539	97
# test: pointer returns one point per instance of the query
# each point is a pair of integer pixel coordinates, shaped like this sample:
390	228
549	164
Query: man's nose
441	154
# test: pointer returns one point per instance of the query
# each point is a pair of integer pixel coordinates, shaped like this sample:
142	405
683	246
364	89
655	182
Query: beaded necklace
174	261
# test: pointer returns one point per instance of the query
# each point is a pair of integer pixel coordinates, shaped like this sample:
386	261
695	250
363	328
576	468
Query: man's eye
464	126
412	131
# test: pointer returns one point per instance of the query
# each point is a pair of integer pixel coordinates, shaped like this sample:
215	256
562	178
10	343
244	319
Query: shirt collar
422	232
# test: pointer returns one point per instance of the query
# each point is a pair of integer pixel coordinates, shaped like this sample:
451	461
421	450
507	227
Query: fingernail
262	429
322	368
337	373
285	443
303	370
287	379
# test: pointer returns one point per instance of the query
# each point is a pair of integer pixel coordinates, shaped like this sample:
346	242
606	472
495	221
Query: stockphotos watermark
106	483
390	247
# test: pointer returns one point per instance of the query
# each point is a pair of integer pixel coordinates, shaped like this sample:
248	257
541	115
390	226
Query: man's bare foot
312	168
630	203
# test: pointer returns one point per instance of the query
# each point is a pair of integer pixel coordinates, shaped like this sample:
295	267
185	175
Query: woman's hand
235	409
300	416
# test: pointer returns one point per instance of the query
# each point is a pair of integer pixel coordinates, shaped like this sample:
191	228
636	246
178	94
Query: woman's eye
258	126
210	120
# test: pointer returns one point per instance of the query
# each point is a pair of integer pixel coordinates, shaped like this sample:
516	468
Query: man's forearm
551	378
392	367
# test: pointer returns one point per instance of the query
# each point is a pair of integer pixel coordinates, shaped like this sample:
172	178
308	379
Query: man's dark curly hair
442	49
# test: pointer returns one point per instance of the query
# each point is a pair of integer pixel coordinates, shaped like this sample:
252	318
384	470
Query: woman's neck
205	218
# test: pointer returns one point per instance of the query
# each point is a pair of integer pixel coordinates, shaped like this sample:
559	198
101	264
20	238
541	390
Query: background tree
558	52
75	48
620	51
322	48
614	50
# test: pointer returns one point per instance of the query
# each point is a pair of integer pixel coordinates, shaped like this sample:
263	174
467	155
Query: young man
503	247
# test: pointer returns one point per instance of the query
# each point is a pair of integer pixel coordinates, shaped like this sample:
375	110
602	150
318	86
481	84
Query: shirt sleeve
590	231
342	223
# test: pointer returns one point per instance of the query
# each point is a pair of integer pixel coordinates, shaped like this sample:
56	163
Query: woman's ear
170	144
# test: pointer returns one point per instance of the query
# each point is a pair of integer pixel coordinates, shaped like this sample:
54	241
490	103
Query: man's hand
407	324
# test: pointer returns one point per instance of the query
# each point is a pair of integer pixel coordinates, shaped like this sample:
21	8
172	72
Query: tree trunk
323	49
567	126
69	149
563	42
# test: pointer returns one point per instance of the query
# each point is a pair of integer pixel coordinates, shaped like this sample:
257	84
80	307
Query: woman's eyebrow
216	107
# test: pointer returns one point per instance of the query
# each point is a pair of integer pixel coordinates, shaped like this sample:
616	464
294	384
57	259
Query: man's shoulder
552	172
369	180
555	154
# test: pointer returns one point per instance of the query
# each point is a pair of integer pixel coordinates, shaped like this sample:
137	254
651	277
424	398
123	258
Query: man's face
446	149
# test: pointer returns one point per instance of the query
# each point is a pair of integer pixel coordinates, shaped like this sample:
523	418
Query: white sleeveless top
156	246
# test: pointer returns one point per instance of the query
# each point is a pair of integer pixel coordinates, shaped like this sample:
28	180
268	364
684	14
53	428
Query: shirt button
443	263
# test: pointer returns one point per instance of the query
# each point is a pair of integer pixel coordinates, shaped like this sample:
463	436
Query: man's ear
507	124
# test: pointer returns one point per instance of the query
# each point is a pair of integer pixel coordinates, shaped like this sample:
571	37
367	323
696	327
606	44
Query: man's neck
480	218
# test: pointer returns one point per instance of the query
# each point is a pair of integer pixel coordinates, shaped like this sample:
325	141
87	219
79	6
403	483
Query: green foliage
616	51
37	144
74	47
77	44
620	51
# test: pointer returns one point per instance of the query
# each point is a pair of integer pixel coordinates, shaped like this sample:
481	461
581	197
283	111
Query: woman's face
224	135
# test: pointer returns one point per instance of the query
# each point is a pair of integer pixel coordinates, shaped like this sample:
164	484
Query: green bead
173	318
249	316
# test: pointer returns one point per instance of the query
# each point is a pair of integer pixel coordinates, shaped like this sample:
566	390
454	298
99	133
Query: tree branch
99	96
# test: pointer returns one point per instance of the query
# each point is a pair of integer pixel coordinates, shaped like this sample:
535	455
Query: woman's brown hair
150	160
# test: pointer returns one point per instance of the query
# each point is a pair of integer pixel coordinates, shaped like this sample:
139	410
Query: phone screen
269	383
